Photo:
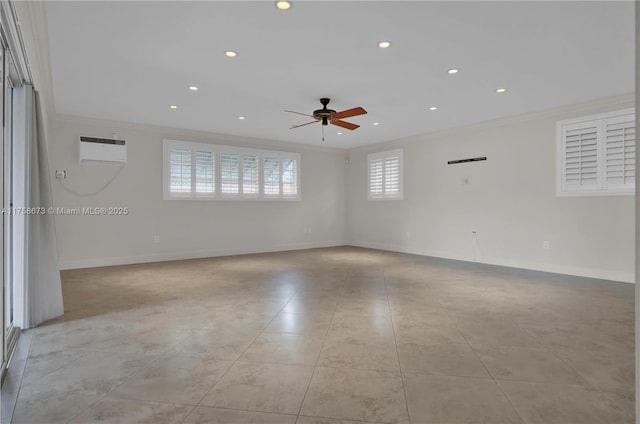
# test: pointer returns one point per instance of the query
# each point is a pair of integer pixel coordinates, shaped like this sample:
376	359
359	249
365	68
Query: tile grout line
315	367
87	351
160	357
99	399
483	365
193	408
244	351
135	374
350	420
395	340
59	368
13	410
552	351
588	385
508	399
226	408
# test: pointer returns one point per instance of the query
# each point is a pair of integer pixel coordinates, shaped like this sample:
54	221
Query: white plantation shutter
385	175
229	173
620	152
250	175
180	170
581	156
376	179
202	171
597	154
289	177
271	176
392	177
205	172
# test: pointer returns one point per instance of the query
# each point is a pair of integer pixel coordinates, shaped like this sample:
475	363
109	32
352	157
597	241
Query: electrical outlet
156	239
545	244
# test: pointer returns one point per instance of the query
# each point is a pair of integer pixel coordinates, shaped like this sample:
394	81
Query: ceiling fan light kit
329	116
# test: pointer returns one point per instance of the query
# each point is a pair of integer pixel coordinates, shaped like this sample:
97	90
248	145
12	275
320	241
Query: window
385	175
596	155
213	172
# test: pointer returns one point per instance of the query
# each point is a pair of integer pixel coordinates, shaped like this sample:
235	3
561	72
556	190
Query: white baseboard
626	277
603	274
194	254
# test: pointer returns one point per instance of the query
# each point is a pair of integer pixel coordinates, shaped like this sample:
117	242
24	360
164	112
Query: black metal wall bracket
452	162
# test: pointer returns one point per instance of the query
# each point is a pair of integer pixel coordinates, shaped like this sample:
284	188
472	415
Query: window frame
218	151
601	188
384	156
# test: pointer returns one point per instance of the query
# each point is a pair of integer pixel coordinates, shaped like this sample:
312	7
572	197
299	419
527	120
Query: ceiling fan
330	116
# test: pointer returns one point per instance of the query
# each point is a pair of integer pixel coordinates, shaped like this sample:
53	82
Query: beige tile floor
339	335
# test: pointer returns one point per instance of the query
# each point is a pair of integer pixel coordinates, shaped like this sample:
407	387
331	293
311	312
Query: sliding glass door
7	172
14	72
7	302
10	330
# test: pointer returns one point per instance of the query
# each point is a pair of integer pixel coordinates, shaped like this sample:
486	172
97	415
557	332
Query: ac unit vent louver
102	151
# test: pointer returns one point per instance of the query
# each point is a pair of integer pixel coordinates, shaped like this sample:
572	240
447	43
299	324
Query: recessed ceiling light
384	44
193	88
283	5
173	107
242	118
376	123
433	108
230	53
501	90
339	133
453	71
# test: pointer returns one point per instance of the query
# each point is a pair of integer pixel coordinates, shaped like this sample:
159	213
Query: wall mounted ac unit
102	151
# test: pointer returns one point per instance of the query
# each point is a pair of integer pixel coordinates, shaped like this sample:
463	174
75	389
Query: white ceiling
129	61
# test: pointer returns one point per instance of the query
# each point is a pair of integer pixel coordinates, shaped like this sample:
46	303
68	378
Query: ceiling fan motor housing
324	114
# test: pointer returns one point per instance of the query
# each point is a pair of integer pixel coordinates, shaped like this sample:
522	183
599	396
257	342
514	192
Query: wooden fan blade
303	114
344	124
302	125
349	113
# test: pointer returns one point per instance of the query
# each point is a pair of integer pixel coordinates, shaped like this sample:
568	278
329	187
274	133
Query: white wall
187	229
510	203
